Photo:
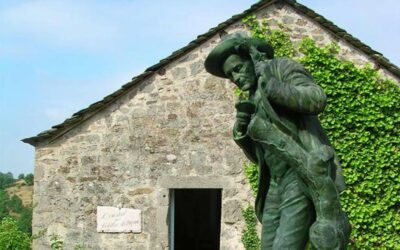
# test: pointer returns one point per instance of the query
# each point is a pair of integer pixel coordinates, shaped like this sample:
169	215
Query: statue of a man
278	129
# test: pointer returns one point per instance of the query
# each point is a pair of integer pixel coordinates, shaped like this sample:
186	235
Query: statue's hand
243	116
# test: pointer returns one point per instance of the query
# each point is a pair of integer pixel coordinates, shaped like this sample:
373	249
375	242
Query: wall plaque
118	220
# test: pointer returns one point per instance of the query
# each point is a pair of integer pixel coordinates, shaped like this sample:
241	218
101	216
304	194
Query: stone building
162	144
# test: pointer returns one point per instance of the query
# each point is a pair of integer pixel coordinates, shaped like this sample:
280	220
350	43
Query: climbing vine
278	39
362	121
250	239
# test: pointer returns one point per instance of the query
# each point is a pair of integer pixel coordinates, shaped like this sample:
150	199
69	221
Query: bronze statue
278	129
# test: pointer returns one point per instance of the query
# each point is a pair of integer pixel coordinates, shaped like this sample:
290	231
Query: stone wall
171	131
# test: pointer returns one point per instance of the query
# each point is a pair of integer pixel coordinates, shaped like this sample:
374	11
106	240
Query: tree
11	238
24	222
29	179
4	199
6	179
15	204
21	176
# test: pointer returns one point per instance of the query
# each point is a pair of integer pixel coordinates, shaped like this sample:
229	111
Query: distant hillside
16	202
22	190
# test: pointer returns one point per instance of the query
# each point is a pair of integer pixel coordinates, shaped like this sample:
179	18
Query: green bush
362	121
6	179
29	179
4	198
11	238
15	204
24	221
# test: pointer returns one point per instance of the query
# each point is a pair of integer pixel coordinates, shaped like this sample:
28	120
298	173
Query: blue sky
57	57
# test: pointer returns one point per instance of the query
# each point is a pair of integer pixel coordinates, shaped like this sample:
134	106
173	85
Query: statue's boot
331	229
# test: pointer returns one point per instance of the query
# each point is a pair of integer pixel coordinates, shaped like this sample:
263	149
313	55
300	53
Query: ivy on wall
250	238
362	121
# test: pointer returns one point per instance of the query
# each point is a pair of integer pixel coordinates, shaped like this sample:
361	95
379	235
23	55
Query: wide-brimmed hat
234	44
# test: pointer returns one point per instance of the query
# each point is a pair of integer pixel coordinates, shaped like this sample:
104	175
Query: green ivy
56	243
251	172
250	238
362	121
279	40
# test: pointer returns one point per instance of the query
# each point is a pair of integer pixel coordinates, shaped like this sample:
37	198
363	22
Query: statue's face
240	70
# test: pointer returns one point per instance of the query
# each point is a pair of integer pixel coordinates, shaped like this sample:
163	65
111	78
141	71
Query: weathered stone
147	88
233	168
214	84
288	19
140	191
64	169
301	30
95	188
230	193
189	57
92	138
55	186
73	160
89	178
196	67
85	160
301	22
232	211
171	158
179	73
318	38
151	102
199	162
43	152
49	161
172	116
71	179
272	22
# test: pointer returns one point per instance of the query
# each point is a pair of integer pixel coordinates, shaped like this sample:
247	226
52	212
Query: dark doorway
197	219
